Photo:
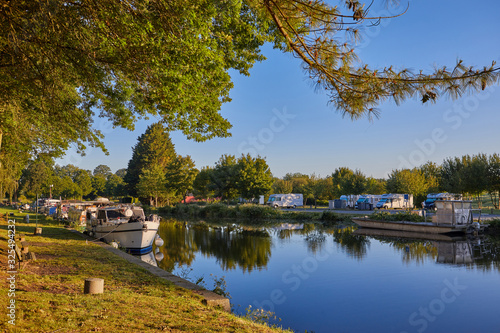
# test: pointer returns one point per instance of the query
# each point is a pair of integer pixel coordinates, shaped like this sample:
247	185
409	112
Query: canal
341	280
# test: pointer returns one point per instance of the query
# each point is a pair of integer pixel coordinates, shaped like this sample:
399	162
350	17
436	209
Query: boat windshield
115	214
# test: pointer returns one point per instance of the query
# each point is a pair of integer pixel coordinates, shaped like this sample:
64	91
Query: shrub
250	211
401	216
494	226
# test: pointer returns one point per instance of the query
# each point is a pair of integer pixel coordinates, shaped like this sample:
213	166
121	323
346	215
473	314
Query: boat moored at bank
126	225
452	216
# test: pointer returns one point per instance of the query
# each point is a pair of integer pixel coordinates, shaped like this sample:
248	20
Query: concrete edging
209	297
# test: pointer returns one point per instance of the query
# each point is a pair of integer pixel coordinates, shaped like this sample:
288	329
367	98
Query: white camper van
394	200
290	200
350	200
430	202
368	198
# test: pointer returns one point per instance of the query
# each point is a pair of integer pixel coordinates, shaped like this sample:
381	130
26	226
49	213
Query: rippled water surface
341	280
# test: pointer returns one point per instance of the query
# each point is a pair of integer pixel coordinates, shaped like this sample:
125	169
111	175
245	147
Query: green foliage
154	148
36	177
409	181
324	36
375	186
253	177
494	227
346	181
102	170
282	186
224	177
180	175
216	211
260	316
98	185
60	62
115	186
250	213
152	183
472	175
400	216
84	182
202	184
254	212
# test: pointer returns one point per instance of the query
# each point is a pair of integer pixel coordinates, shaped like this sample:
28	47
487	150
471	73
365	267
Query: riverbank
252	213
48	293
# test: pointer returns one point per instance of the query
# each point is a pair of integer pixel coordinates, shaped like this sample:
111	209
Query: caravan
392	200
350	200
430	202
290	200
367	199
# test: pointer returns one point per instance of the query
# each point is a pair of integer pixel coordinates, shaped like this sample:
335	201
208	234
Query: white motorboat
126	225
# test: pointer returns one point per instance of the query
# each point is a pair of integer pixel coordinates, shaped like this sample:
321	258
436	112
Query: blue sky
277	114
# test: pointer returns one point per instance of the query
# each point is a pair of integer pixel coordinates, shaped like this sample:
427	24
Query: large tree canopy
63	61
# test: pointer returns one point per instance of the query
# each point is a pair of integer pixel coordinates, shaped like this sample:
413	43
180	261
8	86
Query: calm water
337	280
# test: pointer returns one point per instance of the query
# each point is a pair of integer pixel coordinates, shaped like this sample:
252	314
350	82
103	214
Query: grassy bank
49	291
250	213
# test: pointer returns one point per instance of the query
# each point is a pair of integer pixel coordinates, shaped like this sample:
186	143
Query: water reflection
340	279
354	245
149	258
482	251
246	247
249	247
233	246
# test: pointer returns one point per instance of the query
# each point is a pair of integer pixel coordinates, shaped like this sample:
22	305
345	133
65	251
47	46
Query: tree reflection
479	252
247	248
352	244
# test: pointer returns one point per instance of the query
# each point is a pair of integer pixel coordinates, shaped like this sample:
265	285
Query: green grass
487	206
49	291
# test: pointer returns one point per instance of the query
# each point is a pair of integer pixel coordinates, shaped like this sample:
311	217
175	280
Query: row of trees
164	177
43	178
468	175
155	173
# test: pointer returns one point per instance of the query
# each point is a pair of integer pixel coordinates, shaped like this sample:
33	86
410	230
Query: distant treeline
248	177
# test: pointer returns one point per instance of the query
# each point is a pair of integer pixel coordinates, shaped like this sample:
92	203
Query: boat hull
421	227
135	237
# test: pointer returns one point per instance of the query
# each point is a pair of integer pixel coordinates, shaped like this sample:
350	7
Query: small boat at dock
126	225
452	216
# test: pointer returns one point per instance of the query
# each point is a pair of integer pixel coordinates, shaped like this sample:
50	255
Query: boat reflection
248	248
444	249
148	257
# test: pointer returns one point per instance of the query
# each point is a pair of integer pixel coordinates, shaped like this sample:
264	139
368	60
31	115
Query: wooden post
93	286
38	231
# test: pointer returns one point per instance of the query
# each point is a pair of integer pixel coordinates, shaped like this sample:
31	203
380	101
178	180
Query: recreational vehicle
290	200
368	199
430	202
392	200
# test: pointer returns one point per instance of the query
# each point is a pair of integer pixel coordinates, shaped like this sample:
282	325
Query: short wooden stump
38	231
93	286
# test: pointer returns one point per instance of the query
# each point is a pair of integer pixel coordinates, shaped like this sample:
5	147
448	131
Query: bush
250	211
494	226
322	203
402	216
217	211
